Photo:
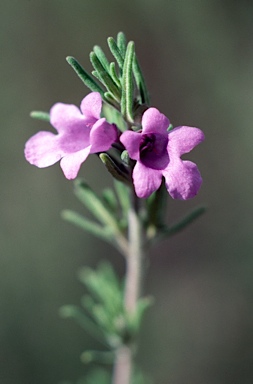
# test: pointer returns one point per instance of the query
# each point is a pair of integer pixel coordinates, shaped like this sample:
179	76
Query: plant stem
135	256
122	371
123	367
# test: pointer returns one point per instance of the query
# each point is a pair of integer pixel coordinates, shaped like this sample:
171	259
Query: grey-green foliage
110	221
122	82
40	115
166	231
104	303
110	211
102	312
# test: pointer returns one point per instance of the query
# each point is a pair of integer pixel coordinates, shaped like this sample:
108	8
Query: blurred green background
197	56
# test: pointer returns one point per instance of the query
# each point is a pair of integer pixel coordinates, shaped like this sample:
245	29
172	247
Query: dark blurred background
197	56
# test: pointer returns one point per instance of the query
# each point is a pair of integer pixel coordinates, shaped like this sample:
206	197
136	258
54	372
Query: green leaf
116	170
110	200
121	43
104	76
114	75
101	57
136	320
113	116
105	302
124	199
94	204
84	76
116	52
110	99
156	210
95	229
140	82
103	285
95	74
40	115
72	311
190	218
127	84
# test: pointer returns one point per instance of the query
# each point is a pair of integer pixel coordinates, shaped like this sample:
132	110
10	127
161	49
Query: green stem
123	367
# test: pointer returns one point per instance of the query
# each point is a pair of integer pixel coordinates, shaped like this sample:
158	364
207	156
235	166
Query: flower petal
146	180
131	141
182	179
183	139
70	164
43	149
68	118
154	121
102	136
91	105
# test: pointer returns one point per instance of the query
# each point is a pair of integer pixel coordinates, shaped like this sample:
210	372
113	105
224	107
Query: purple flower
79	134
157	153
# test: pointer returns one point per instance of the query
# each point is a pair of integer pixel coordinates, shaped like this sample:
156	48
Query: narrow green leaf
94	204
40	115
142	305
95	74
114	75
95	229
112	115
110	200
190	218
115	51
116	170
140	82
127	98
104	286
104	76
110	99
103	318
72	311
121	43
156	210
101	57
84	76
123	196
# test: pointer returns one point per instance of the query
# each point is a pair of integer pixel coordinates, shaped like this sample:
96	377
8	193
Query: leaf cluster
120	82
110	212
102	312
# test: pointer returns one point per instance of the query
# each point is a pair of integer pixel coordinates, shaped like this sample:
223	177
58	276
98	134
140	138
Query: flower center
147	143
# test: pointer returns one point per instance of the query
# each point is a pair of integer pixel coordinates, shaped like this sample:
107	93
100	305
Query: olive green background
197	56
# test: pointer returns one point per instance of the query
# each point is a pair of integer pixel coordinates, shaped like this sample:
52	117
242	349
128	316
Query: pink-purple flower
158	151
79	133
